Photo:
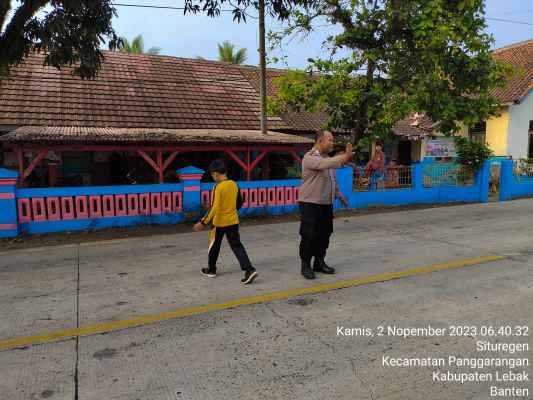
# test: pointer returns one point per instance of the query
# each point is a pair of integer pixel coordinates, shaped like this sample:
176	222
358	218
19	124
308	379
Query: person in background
223	216
392	175
317	194
375	168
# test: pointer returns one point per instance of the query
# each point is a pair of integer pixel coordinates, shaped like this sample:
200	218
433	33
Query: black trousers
232	234
316	227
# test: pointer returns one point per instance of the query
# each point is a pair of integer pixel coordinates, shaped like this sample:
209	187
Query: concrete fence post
483	182
8	203
191	177
417	177
506	180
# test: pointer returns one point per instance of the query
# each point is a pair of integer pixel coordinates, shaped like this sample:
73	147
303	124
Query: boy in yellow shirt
223	216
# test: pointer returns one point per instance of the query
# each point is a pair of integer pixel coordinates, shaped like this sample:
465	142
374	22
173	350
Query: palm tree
137	46
226	53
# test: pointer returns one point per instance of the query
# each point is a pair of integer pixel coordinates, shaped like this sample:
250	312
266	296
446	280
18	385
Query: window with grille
478	132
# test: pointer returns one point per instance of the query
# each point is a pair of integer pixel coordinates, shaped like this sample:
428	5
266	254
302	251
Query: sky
198	35
190	36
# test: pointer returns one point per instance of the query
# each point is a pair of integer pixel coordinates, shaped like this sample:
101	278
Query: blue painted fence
42	210
514	183
423	189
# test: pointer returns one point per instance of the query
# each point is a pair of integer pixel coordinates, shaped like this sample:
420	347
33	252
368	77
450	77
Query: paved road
286	349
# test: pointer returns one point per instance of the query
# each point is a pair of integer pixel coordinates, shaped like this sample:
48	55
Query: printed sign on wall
441	147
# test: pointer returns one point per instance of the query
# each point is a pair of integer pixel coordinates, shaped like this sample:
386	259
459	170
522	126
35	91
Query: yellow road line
263	298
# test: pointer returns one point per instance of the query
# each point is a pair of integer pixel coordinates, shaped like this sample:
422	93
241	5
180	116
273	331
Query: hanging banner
440	147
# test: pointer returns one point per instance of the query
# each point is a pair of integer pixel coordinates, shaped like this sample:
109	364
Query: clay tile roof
169	93
138	91
414	127
149	94
85	135
297	121
519	55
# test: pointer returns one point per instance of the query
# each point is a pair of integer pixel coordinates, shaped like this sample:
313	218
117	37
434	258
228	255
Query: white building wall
519	117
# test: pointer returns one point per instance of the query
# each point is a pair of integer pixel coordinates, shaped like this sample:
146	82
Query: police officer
317	194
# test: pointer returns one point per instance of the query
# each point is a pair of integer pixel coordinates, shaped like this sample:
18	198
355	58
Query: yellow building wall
498	133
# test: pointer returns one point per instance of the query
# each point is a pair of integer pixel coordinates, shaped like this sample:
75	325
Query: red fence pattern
261	197
98	206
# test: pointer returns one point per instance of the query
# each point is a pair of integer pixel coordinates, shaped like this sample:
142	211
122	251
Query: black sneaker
249	276
209	272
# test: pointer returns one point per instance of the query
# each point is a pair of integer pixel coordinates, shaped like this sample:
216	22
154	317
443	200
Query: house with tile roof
160	110
511	132
508	134
163	110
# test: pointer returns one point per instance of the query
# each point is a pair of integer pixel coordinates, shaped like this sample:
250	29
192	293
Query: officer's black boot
320	266
307	271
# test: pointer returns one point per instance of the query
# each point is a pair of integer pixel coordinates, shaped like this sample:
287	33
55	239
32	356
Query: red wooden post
248	169
258	160
40	155
236	158
160	165
296	156
169	160
53	174
147	158
20	160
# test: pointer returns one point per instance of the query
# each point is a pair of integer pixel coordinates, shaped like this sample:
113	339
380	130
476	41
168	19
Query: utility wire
511	21
171	8
156	7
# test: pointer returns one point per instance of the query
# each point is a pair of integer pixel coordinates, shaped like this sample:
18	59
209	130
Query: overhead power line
510	21
170	8
156	7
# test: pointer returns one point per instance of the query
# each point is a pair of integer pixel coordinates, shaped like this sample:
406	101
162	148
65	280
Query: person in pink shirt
375	169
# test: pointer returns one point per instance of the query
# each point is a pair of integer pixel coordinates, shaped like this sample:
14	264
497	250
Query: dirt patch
47	393
66	238
105	353
301	301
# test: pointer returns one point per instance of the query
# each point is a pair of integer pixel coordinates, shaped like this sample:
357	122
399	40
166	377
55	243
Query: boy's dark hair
218	166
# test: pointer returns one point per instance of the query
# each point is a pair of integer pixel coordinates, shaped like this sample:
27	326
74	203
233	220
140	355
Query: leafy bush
471	155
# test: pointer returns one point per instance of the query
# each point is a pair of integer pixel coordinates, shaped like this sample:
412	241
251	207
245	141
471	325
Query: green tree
68	32
404	56
279	9
227	53
136	46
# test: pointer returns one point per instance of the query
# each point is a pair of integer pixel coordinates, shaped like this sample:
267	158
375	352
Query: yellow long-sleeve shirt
223	210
